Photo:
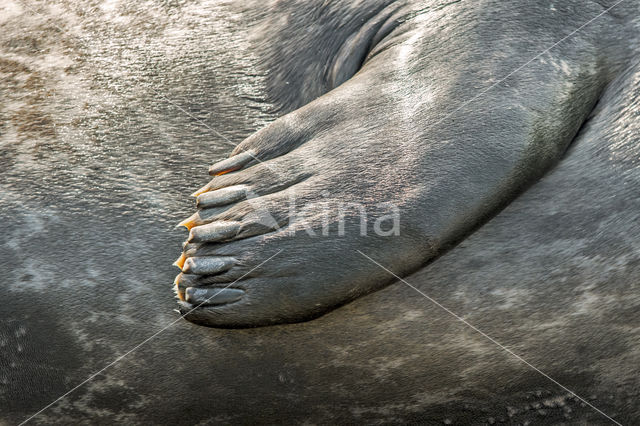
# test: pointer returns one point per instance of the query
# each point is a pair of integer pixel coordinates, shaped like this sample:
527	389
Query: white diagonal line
482	92
195	118
267	165
115	361
491	339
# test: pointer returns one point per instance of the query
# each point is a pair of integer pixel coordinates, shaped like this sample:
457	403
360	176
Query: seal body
102	132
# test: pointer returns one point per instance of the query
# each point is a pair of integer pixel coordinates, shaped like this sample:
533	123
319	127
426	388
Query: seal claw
180	261
232	164
179	291
202	190
189	222
221	197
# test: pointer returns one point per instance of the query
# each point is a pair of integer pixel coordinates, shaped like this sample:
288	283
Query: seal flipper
393	134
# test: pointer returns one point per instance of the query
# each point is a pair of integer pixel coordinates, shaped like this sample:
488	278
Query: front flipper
396	163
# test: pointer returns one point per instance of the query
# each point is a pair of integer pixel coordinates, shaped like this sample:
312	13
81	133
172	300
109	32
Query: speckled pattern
97	157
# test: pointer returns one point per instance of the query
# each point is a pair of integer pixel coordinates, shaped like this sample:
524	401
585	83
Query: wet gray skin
111	114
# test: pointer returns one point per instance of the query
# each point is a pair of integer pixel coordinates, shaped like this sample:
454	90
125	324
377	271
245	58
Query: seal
108	109
384	120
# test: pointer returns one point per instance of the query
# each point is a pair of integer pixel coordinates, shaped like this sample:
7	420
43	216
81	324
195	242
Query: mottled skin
97	156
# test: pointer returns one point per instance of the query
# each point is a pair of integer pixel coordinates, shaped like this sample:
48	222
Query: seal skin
97	158
382	117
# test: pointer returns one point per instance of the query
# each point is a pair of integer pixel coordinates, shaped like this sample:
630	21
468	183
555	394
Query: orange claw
233	169
207	188
180	262
188	223
201	191
180	293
